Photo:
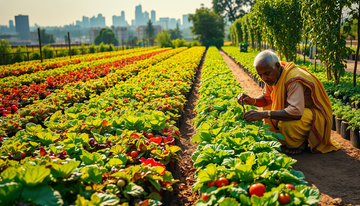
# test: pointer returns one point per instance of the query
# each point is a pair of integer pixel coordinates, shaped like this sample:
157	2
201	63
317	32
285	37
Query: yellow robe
316	121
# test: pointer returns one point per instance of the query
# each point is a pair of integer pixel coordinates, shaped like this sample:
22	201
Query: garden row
114	150
74	93
345	99
239	163
18	69
40	84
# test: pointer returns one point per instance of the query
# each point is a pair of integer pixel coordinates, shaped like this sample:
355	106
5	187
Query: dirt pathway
335	174
184	171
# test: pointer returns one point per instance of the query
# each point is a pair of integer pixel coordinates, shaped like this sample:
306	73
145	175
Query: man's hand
253	115
244	98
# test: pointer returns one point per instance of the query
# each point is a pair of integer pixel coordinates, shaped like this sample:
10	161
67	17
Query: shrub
92	48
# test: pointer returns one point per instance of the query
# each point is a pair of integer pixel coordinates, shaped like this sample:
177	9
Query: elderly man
298	106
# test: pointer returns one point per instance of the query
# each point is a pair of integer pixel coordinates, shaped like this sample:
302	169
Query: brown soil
184	170
335	174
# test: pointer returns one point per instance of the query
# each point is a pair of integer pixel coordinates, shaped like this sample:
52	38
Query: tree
207	25
103	36
46	38
175	33
164	39
323	22
232	9
5	47
149	30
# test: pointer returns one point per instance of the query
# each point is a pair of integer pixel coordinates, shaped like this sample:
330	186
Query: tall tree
231	9
175	33
207	25
46	38
103	36
149	30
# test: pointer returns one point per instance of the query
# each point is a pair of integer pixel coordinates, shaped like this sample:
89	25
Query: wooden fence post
69	45
39	45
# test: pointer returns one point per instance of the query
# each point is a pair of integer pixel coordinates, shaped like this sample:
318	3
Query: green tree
46	38
164	39
149	30
175	33
5	47
232	9
207	25
322	22
103	36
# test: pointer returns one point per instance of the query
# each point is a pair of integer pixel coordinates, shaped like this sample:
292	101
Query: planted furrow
239	162
116	156
18	69
73	93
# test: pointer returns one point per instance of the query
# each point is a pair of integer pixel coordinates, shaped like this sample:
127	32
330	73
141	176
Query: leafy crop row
109	150
74	93
239	163
18	69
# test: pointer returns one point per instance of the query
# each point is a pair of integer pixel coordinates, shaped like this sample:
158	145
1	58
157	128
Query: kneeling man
298	106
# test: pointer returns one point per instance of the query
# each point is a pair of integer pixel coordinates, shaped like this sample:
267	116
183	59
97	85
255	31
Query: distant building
140	32
153	16
139	16
119	20
79	23
172	23
146	17
34	36
98	21
158	30
11	26
92	33
186	23
164	22
85	22
132	22
22	27
121	33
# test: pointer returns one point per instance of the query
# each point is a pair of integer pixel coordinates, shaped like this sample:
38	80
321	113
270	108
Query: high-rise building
92	33
139	16
164	22
85	22
98	21
132	22
22	27
172	23
140	32
153	16
158	30
116	21
186	23
11	26
79	23
146	17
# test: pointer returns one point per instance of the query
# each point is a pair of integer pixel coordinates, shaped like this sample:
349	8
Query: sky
65	12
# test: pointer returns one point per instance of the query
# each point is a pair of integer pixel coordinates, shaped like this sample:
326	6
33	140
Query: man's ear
277	65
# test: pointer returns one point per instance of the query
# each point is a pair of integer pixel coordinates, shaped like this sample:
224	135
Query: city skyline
160	6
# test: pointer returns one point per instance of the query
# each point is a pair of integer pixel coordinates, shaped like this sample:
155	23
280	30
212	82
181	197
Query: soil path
184	171
335	174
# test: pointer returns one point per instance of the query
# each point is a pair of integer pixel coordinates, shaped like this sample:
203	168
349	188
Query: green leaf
42	195
134	190
229	202
91	175
9	192
64	170
237	191
245	200
34	175
90	158
104	199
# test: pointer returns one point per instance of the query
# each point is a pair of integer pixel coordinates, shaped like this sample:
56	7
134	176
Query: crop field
107	129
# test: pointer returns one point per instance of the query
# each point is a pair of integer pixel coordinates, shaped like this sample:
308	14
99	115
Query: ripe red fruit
221	182
134	154
257	189
284	198
13	107
8	108
211	183
290	186
204	196
166	96
149	135
23	154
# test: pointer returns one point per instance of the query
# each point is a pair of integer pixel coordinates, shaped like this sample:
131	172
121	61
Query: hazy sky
61	12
